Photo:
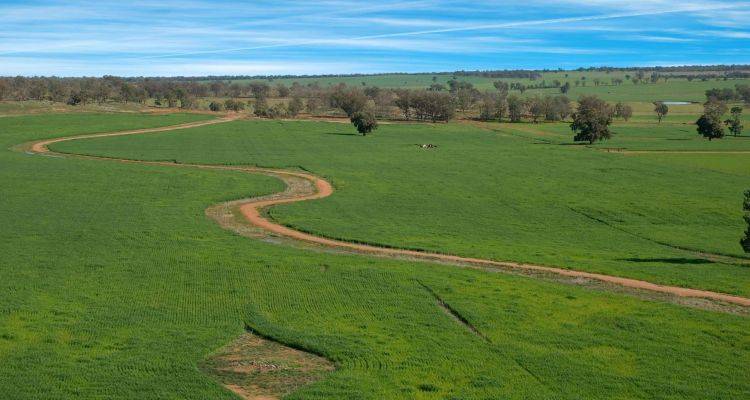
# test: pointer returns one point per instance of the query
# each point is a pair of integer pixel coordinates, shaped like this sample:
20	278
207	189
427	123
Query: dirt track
318	188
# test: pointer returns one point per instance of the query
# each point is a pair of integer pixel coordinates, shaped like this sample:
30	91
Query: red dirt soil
251	210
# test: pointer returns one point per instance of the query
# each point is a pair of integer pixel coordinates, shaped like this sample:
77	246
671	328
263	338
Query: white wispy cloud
506	25
53	66
654	38
202	36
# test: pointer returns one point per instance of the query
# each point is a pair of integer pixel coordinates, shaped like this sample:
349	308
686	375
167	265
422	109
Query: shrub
277	111
364	121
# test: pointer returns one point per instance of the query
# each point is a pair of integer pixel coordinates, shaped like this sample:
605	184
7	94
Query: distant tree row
683	71
711	124
739	93
425	105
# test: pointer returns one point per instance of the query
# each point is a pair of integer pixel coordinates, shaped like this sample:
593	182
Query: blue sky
197	37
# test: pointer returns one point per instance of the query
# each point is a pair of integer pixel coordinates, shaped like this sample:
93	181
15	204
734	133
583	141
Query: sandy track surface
314	187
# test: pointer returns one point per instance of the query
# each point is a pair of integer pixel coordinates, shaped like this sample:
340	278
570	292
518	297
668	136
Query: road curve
319	188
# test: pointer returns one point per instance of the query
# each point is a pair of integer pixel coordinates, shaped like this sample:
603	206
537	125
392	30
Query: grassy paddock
113	283
507	192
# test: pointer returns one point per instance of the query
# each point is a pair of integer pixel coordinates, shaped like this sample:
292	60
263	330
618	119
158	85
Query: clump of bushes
364	121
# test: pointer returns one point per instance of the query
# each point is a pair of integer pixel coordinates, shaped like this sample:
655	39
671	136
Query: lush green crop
114	284
507	194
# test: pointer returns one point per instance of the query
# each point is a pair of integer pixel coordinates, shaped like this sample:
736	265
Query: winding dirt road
304	186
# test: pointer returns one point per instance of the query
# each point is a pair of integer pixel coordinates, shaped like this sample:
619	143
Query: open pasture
492	191
150	288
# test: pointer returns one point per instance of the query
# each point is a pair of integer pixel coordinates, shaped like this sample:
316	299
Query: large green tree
364	121
592	119
734	123
709	124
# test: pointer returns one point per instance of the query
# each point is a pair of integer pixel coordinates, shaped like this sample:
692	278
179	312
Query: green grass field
672	90
492	193
676	134
114	284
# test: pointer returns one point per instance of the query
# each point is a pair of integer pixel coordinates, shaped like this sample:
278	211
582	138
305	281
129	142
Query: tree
501	107
234	105
171	101
745	242
592	119
516	108
735	122
349	100
556	107
187	102
465	98
259	90
313	105
75	99
282	90
456	85
709	124
295	106
433	106
493	106
536	108
215	106
260	108
217	88
564	89
661	110
743	93
725	94
277	111
436	87
623	111
502	87
4	90
403	102
488	107
364	121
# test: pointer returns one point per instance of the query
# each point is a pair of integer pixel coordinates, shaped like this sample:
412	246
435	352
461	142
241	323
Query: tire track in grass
454	314
304	186
719	258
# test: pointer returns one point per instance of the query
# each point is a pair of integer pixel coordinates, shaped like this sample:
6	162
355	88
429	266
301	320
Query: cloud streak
466	28
172	37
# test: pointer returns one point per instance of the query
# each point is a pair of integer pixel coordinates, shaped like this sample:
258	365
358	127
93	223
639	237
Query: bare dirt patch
255	368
